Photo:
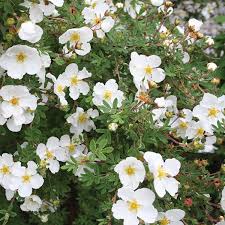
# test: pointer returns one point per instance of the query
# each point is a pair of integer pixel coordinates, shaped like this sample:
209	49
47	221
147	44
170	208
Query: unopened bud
211	67
215	81
113	126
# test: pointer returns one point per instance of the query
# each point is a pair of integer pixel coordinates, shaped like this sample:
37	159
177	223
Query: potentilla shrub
110	114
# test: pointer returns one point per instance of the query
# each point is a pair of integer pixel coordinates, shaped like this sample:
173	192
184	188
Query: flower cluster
15	177
17	106
138	204
62	150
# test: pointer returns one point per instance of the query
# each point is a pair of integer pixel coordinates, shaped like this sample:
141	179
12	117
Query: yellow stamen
130	170
60	88
133	206
161	173
21	57
5	170
183	125
97	20
26	178
107	95
200	131
75	37
14	101
164	221
49	155
94	5
82	118
71	148
148	70
74	80
213	112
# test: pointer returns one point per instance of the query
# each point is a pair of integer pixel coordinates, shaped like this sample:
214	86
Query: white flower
31	32
32	203
209	145
181	124
35	12
131	172
221	223
167	108
25	179
98	20
211	66
60	85
6	163
9	194
81	120
72	148
145	69
210	109
222	201
17	106
46	62
82	161
133	11
171	217
78	39
58	3
108	92
157	2
195	25
163	173
51	153
198	129
19	60
75	80
135	205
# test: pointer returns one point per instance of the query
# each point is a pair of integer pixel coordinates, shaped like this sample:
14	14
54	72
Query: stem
7	215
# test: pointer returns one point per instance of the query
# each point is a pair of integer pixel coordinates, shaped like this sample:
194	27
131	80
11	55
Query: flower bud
188	202
209	41
215	81
119	5
113	126
10	21
168	4
211	67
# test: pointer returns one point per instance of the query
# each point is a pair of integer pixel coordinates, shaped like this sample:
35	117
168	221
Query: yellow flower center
148	70
107	95
26	178
161	173
5	170
97	20
75	37
212	112
49	155
133	206
130	170
21	57
71	148
74	80
183	125
60	88
164	221
94	5
82	118
14	101
200	131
